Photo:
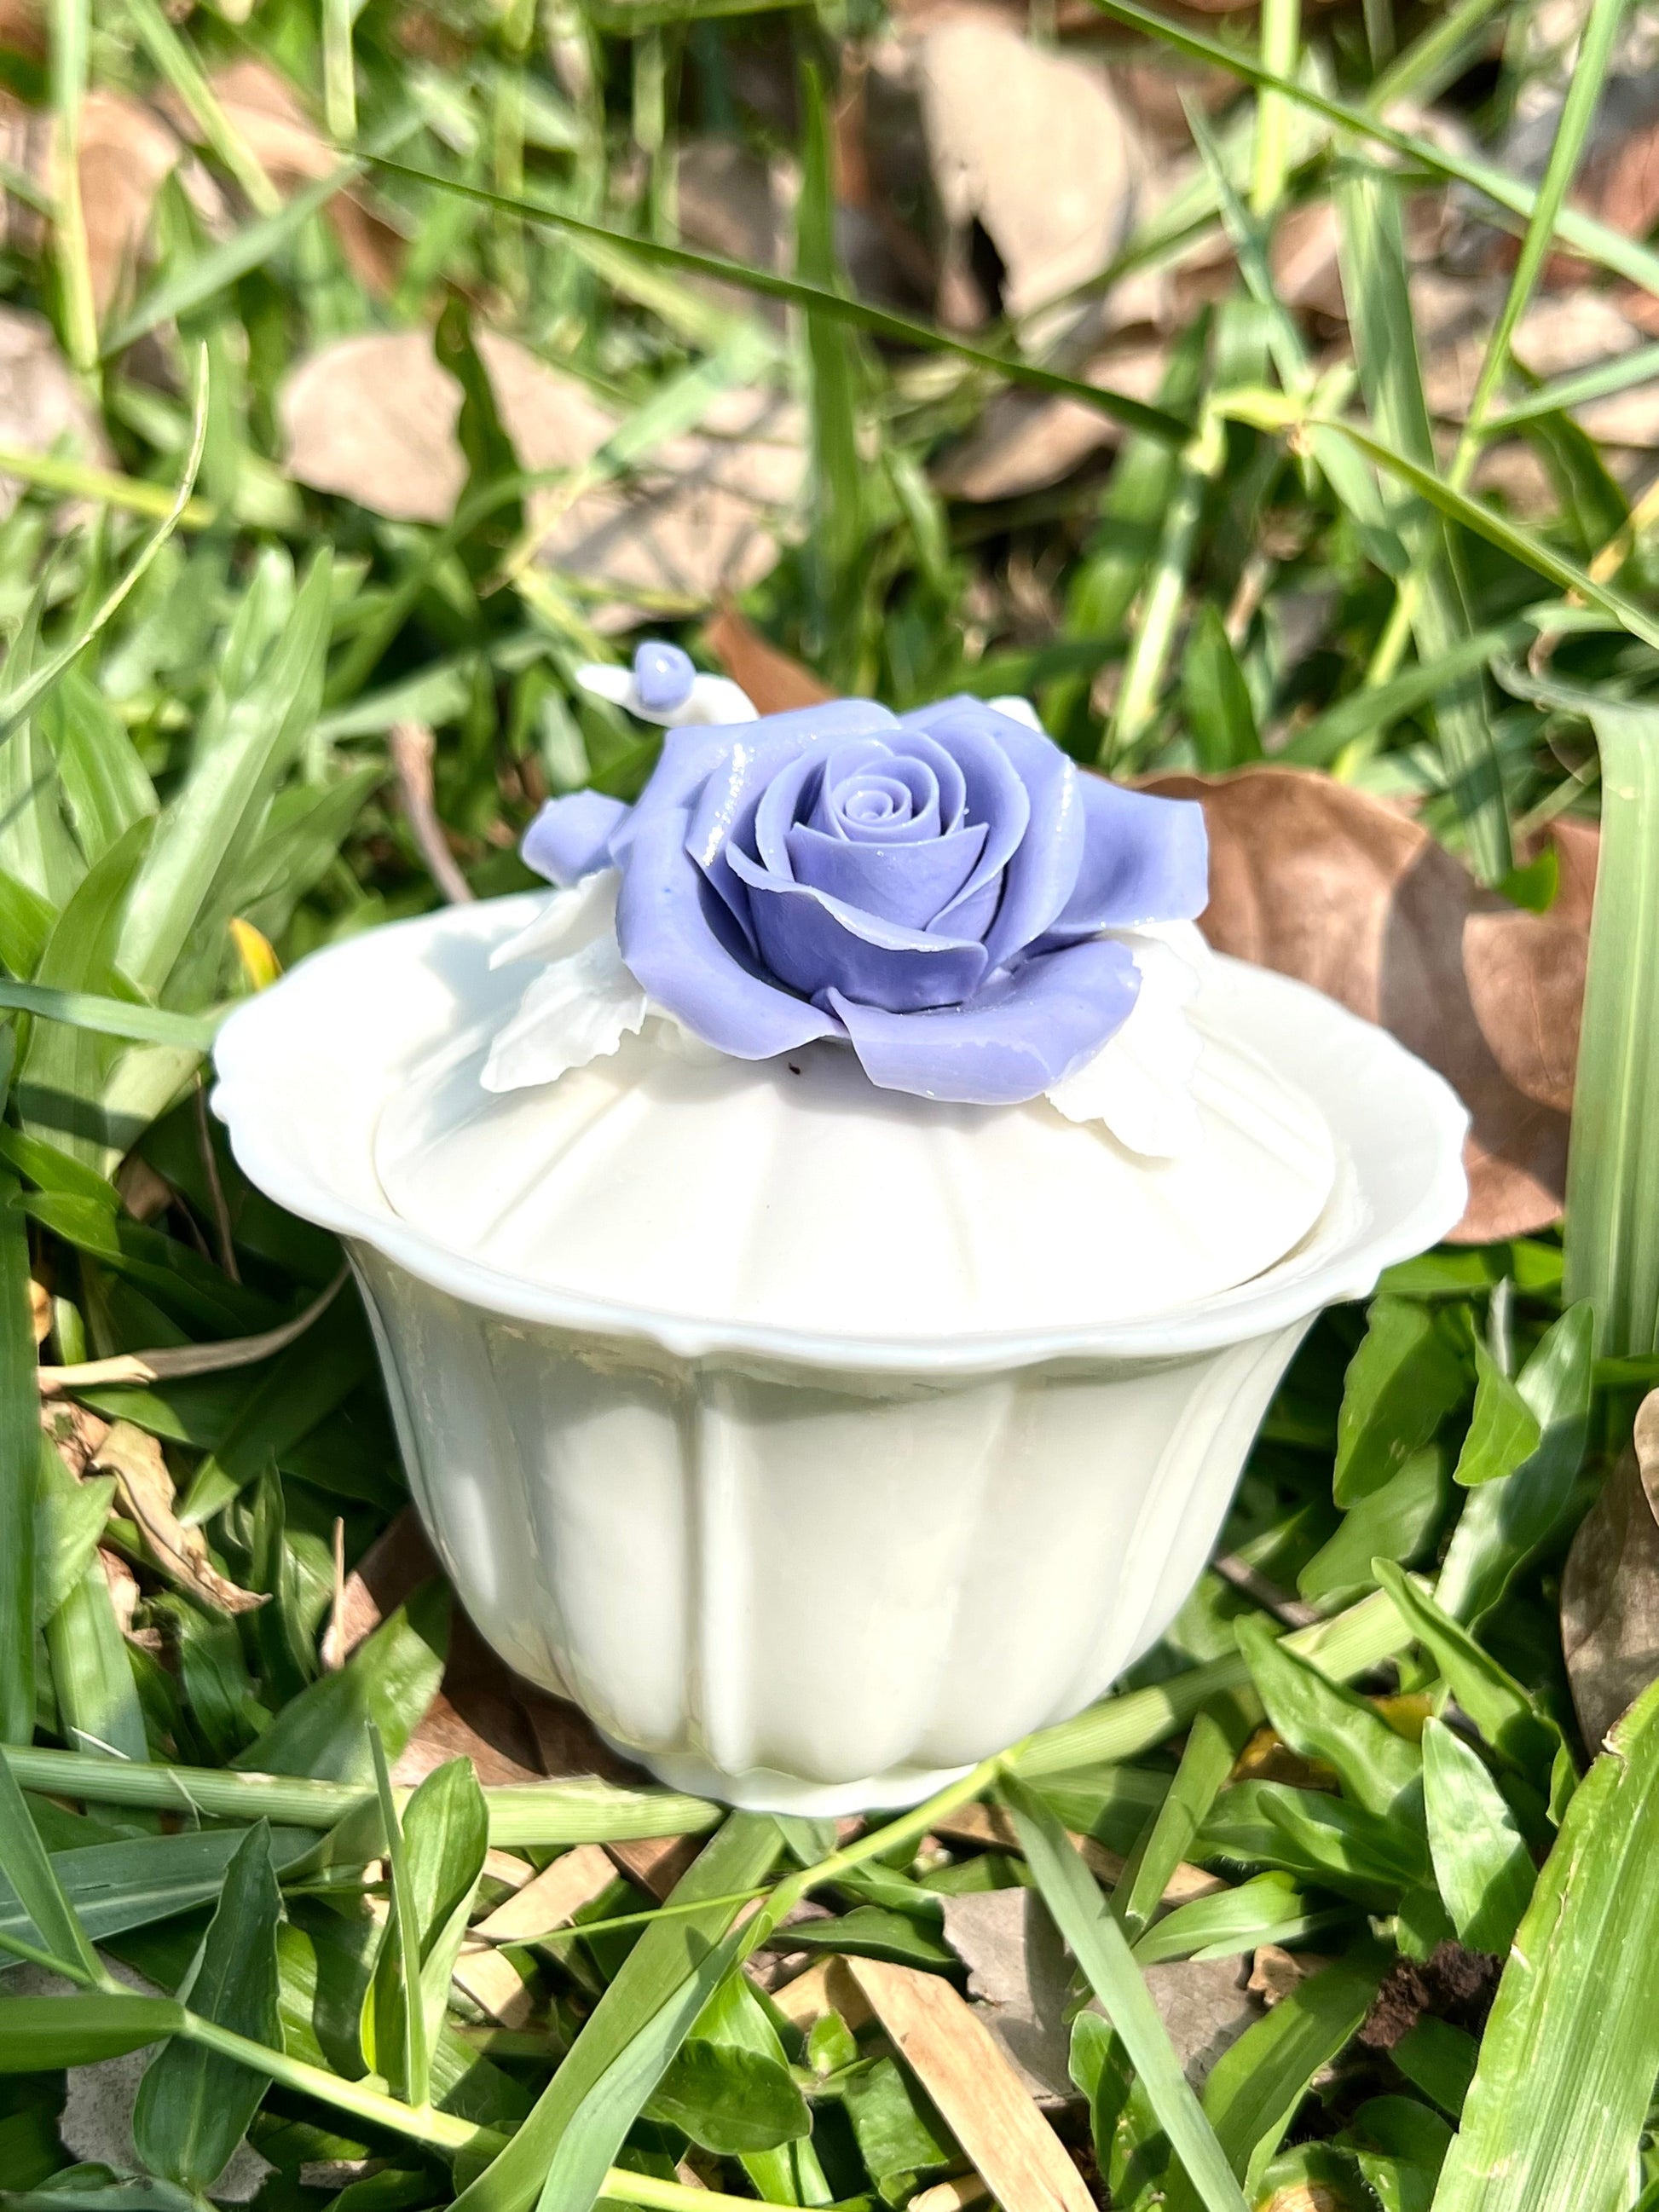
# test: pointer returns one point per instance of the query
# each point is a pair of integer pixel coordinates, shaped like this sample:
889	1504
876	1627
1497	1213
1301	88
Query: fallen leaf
134	1457
373	419
775	681
123	1591
1018	1981
40	402
730	202
954	2056
826	1986
1322	882
701	515
1610	1587
1205	2005
495	1985
126	154
1032	145
1023	442
269	117
552	1899
655	1863
1275	1972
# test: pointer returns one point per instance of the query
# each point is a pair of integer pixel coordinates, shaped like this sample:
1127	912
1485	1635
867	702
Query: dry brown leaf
1610	1587
496	1985
954	2194
126	154
1321	882
39	1310
1205	2005
552	1899
655	1863
134	1458
1019	1981
1023	442
40	402
826	1986
701	516
1275	1972
955	2058
775	681
123	1591
1031	144
373	419
268	114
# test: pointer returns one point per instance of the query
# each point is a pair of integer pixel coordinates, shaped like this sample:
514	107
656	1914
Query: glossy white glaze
807	1566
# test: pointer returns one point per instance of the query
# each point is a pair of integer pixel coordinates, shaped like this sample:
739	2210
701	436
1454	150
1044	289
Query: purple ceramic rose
931	888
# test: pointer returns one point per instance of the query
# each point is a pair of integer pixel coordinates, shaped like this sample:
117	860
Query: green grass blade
1280	43
661	1965
1523	545
194	2105
71	37
116	1017
1256	2086
584	1811
1371	711
1563	392
1481	1862
1373	259
900	330
17	702
19	1469
175	62
97	1698
39	2035
1121	1727
1559	2100
1102	1950
223	265
1612	1165
839	552
1597	241
251	732
1214	1742
408	2065
29	1871
1378	1769
1589	69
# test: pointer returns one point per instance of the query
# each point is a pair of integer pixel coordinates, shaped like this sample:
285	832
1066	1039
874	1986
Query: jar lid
793	1192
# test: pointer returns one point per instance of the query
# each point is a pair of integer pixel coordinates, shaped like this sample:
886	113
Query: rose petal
815	943
997	795
681	943
734	772
1024	1033
1143	860
571	837
906	884
575	1011
856	769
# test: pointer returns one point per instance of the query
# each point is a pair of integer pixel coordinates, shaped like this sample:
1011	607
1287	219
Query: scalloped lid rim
1400	1124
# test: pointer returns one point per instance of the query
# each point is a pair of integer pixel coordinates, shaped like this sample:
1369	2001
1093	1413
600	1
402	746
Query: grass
204	665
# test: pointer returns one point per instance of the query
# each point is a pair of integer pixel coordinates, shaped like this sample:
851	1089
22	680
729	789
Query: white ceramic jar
797	1567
